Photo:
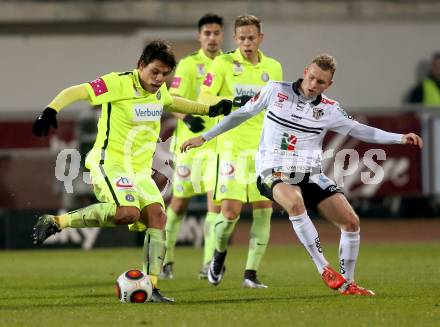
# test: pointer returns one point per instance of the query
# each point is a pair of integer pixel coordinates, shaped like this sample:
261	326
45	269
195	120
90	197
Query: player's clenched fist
412	138
44	121
223	107
194	142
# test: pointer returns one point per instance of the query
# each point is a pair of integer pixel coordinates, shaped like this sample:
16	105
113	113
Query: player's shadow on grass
259	299
56	296
208	288
20	307
62	286
81	285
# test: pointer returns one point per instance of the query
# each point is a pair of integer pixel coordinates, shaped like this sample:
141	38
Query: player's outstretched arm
48	118
223	107
238	101
412	138
234	119
194	142
194	123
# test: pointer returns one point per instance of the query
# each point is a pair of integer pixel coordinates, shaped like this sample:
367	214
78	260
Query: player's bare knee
352	222
126	215
154	217
230	213
296	206
162	219
179	205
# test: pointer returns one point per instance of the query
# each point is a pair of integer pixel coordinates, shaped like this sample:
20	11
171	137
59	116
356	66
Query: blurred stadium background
382	49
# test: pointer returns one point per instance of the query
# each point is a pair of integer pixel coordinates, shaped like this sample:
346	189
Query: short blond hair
246	20
326	62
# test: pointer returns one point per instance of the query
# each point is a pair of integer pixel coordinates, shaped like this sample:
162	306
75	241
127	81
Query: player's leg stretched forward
338	210
105	215
95	215
290	198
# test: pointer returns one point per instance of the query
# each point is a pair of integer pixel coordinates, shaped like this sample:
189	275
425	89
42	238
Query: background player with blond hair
240	74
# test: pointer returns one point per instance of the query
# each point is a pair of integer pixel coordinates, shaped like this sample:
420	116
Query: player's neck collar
296	90
205	56
242	59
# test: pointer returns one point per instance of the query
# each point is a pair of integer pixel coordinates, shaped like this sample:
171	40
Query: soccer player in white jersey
289	158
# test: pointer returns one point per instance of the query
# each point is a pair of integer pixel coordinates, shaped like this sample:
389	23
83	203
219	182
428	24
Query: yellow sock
62	221
153	279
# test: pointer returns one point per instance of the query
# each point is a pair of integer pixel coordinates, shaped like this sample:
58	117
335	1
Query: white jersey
294	127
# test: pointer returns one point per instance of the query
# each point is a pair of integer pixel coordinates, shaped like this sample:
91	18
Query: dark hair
158	50
246	20
210	19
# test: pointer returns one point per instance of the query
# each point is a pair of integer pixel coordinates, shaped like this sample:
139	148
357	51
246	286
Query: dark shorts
315	187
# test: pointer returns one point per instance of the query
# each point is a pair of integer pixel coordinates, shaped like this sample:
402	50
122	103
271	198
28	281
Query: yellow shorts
236	179
194	173
112	184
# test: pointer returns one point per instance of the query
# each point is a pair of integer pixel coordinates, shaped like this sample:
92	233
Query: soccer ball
133	286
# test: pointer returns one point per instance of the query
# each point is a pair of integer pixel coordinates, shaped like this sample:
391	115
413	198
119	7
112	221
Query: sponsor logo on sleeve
327	101
344	113
147	112
282	97
99	87
208	79
176	82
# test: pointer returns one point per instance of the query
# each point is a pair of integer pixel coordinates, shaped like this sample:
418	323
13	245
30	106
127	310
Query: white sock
308	236
348	253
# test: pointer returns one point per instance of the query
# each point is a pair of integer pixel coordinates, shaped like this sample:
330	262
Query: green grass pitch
75	288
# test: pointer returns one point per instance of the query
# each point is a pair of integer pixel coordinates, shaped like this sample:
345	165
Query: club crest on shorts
129	198
183	171
318	113
265	77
